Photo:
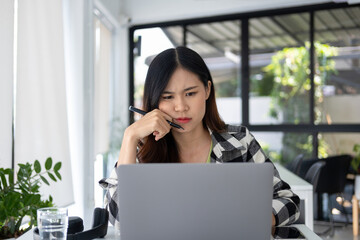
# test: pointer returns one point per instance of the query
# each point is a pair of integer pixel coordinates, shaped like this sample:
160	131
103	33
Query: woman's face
184	99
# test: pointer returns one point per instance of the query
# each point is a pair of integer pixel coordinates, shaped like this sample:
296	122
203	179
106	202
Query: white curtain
41	121
74	66
6	80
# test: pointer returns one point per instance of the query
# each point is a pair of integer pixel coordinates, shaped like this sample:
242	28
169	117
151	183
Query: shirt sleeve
110	199
285	203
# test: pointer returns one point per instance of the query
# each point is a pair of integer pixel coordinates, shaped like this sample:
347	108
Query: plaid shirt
237	144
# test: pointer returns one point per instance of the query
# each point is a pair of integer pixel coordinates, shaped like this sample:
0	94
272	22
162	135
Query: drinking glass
52	223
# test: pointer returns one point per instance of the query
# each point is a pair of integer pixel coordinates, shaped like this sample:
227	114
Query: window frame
312	128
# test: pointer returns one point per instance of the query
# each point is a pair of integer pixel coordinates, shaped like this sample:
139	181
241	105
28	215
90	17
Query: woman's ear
208	89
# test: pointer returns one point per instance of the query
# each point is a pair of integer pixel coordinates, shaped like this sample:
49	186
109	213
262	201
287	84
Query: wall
6	82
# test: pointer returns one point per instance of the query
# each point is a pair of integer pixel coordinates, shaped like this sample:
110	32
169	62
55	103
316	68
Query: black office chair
313	174
332	180
312	177
295	165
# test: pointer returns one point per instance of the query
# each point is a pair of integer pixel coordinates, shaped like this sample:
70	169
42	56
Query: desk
114	234
303	189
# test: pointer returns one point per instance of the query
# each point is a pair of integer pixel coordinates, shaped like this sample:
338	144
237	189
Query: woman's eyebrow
186	89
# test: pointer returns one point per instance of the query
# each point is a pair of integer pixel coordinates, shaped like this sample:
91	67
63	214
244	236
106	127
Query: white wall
6	81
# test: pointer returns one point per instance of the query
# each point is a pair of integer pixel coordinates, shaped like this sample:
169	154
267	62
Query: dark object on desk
76	227
287	233
295	164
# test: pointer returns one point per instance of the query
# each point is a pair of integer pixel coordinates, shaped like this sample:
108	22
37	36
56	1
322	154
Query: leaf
57	166
3	179
44	180
52	176
35	188
48	163
11	177
37	166
58	175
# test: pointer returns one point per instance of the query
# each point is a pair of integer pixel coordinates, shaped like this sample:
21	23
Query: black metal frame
310	128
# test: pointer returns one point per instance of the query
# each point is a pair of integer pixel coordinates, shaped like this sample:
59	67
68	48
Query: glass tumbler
52	223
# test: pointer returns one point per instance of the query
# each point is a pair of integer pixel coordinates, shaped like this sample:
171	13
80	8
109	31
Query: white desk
303	189
309	234
115	234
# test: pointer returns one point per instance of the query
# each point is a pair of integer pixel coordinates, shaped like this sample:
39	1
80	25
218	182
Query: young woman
180	89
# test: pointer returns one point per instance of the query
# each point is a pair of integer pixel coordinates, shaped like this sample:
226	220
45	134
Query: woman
179	88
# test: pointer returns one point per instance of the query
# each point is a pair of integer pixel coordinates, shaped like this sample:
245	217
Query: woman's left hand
273	220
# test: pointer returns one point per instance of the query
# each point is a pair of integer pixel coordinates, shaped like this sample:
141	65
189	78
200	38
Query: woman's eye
166	97
191	93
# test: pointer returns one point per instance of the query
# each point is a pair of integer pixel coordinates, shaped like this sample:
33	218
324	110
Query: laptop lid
195	201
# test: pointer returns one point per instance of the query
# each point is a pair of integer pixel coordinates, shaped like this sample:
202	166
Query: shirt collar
224	142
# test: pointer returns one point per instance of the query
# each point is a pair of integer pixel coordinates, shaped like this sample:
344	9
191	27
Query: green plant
287	80
355	163
21	198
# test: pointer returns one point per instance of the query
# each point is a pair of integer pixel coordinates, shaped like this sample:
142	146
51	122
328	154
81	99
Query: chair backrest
332	177
301	219
313	174
295	164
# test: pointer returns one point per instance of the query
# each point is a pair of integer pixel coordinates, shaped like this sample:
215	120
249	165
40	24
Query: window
289	75
279	65
337	32
219	45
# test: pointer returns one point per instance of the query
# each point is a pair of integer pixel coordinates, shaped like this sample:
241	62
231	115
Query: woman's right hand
153	122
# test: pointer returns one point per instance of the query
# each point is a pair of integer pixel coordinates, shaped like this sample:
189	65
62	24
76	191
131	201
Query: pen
134	109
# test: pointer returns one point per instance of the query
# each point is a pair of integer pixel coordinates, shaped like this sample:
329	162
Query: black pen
134	109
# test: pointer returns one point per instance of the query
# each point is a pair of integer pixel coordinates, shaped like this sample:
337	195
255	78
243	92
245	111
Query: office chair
332	180
295	165
313	174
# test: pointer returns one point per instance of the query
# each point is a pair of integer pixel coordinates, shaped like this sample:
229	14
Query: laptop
195	201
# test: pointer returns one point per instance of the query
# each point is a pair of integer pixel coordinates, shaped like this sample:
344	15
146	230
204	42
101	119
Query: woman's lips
183	120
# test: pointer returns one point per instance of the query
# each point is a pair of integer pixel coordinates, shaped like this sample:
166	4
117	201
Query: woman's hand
153	122
273	220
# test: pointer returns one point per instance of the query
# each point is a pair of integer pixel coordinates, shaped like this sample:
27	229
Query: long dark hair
160	71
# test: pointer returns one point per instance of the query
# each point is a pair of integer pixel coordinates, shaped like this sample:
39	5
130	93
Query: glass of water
52	223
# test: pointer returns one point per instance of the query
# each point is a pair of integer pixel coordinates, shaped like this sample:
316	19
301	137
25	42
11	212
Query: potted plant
20	197
355	162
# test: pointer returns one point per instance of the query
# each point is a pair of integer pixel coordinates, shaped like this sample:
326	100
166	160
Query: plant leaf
48	163
3	179
57	166
52	176
35	188
44	180
11	177
37	166
58	174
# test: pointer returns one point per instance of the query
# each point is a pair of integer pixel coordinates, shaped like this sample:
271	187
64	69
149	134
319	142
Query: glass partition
279	69
337	36
219	44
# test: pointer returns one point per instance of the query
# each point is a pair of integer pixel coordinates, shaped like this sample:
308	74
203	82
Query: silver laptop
195	201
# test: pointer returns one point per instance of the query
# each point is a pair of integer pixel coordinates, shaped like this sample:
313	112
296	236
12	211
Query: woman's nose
180	105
